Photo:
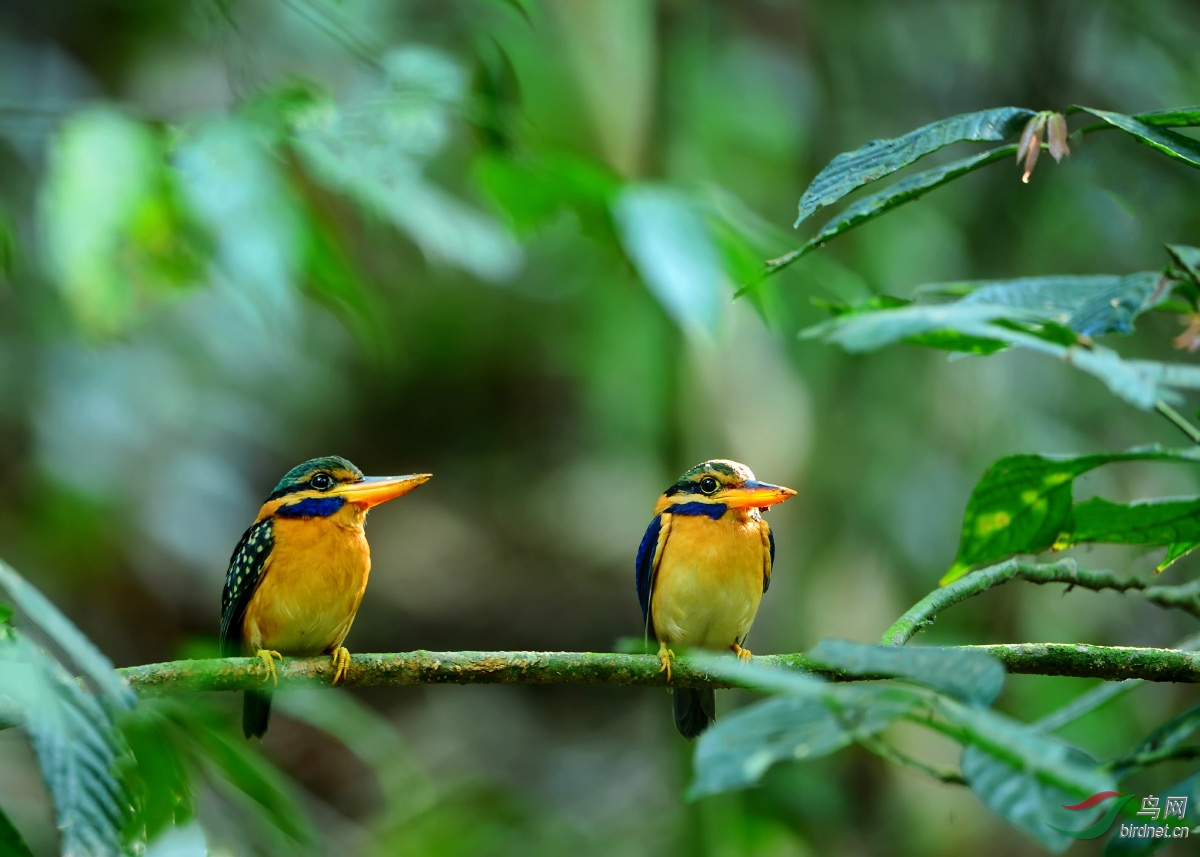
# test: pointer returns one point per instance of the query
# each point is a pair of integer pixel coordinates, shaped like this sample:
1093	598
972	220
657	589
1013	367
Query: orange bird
297	577
702	569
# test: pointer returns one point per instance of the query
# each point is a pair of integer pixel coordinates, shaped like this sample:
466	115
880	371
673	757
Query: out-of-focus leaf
76	745
1092	306
669	243
8	245
1131	846
63	632
1170	143
1166	737
112	230
1015	794
157	777
253	777
185	841
5	613
375	149
970	677
1187	258
531	193
234	185
739	748
1024	503
906	190
869	330
11	842
879	158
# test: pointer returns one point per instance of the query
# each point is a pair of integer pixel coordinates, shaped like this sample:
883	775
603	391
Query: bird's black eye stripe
709	485
321	481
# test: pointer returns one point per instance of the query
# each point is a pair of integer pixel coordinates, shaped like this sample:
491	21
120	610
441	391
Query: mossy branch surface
582	668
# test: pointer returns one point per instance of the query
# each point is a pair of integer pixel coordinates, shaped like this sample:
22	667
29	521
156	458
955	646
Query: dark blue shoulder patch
712	510
644	566
311	507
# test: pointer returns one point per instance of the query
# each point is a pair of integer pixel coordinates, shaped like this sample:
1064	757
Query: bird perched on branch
297	577
702	569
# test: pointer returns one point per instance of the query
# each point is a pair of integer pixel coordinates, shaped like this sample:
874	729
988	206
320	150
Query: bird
701	571
297	577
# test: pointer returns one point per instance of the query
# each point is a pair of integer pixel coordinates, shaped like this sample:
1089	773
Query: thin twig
923	613
886	751
1178	420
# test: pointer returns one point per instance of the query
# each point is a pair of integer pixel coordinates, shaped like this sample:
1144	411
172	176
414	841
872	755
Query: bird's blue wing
644	568
246	568
771	566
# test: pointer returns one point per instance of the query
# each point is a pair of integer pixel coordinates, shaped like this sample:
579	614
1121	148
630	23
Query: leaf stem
1178	420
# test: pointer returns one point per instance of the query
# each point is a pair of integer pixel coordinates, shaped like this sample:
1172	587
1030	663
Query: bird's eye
321	481
709	485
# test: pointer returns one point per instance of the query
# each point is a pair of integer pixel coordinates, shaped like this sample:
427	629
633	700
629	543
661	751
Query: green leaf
668	242
11	842
869	330
5	614
1091	306
1166	737
906	190
1017	796
1180	118
63	632
375	151
110	226
1175	552
738	749
1149	522
158	779
970	677
76	745
1129	846
1168	142
1024	503
878	158
1187	258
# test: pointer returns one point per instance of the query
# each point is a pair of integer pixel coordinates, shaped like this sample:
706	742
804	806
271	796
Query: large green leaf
669	243
968	676
738	749
1130	846
875	328
878	158
1091	306
11	842
1180	118
1023	504
1018	796
1170	143
869	207
63	632
1150	522
76	745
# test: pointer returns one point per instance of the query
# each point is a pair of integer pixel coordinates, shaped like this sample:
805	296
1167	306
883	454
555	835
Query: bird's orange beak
379	489
756	494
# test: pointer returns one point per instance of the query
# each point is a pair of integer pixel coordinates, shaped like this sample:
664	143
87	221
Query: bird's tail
256	713
694	710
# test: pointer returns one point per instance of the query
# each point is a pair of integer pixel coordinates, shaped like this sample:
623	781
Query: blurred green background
498	241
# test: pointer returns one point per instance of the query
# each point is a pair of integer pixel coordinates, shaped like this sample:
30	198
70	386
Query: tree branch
413	668
923	613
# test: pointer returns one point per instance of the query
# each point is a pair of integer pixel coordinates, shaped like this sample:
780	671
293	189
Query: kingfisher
297	577
702	568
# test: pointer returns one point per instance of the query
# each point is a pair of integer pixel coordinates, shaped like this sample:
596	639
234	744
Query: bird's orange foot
665	656
341	663
743	655
268	658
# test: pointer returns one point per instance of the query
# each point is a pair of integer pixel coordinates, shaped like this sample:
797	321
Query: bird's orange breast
709	581
312	586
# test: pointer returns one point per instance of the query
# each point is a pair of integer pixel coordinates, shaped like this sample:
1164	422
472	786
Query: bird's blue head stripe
311	507
713	510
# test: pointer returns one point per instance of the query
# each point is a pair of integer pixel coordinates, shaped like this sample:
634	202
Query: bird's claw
743	655
341	663
665	656
268	657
